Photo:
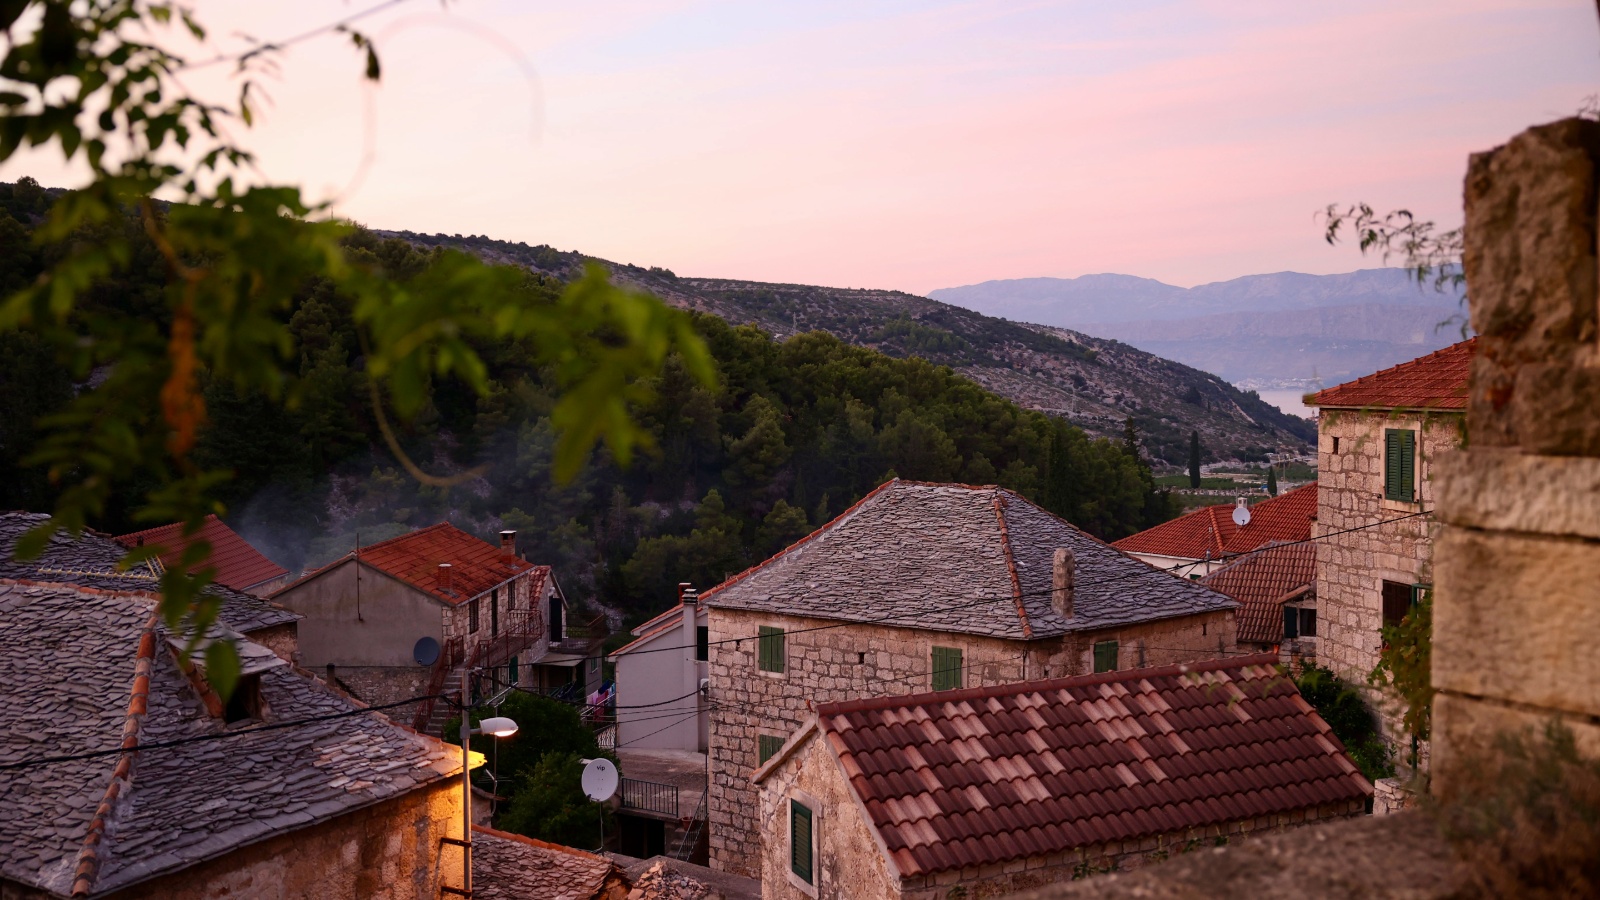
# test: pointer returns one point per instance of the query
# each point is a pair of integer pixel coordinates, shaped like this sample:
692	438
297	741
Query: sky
897	144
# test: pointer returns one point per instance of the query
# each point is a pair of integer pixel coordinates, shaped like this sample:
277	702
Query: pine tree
1272	480
1194	459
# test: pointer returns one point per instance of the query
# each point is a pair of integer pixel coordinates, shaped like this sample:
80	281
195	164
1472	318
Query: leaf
372	63
222	668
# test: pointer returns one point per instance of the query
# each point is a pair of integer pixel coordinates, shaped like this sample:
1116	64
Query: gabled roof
670	620
957	558
1437	381
90	670
1210	529
1261	582
239	565
91	560
988	775
475	565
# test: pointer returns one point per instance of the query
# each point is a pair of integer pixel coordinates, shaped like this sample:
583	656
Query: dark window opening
702	643
245	702
1105	656
1397	600
472	616
511	671
861	659
494	612
1298	623
556	631
1335	445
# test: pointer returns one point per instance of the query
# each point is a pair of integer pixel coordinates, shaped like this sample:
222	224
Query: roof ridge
1468	346
148	531
543	845
825	710
1011	567
88	867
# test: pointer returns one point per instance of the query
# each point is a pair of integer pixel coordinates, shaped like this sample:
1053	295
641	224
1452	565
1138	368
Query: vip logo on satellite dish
599	779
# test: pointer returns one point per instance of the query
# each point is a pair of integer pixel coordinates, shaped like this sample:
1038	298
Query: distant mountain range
1283	329
1095	383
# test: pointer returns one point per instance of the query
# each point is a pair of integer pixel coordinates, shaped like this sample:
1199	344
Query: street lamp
498	726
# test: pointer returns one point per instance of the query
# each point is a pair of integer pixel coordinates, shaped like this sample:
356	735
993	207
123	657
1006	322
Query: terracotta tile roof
86	668
988	775
509	866
239	565
91	560
475	564
1261	582
1286	517
957	558
1435	381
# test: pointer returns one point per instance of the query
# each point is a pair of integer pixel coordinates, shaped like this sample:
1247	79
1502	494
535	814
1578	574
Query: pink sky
909	145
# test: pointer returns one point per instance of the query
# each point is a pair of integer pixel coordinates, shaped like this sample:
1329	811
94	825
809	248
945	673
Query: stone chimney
445	584
508	545
1061	581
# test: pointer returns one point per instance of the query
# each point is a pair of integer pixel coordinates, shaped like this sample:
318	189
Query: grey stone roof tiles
512	867
91	560
67	658
941	557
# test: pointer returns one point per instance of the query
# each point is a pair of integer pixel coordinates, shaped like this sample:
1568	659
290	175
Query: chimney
508	545
684	587
1061	582
445	583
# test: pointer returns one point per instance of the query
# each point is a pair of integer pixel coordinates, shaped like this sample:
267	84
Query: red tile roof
475	565
1286	517
1435	381
1261	582
239	565
987	775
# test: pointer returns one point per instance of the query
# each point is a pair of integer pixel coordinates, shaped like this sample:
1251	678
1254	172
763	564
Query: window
769	649
1298	623
1399	464
1335	445
800	840
946	668
245	701
594	664
511	671
494	612
766	746
1397	600
702	643
1105	656
472	615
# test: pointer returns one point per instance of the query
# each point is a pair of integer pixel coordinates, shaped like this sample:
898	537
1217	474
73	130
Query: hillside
1284	329
1094	382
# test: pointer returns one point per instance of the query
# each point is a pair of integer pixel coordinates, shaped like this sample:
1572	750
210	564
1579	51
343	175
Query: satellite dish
599	779
1241	512
426	652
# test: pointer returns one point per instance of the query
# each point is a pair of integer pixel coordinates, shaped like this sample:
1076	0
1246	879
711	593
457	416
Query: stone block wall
1517	568
853	661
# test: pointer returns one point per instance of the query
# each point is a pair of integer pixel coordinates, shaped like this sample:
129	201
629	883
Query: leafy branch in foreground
1430	254
84	79
1405	666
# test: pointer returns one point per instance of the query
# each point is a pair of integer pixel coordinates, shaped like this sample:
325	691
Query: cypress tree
1194	459
1272	480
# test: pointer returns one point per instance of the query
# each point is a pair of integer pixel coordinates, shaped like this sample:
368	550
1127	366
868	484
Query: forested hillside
1093	382
792	433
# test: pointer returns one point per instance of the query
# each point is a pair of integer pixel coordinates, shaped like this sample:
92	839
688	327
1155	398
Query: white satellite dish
599	779
1241	512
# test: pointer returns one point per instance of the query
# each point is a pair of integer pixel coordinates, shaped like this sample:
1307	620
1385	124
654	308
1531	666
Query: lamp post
499	727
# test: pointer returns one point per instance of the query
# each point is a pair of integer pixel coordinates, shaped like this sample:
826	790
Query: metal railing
691	833
650	797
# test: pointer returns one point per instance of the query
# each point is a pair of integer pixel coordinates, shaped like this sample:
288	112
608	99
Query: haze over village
715	451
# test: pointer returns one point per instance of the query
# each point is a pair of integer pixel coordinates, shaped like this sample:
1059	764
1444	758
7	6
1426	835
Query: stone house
1199	542
237	564
1379	440
399	618
925	587
1276	587
352	809
986	791
92	558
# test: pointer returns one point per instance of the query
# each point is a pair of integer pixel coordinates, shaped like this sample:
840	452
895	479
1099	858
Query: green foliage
1194	459
548	803
1405	666
1351	720
544	727
167	305
1272	481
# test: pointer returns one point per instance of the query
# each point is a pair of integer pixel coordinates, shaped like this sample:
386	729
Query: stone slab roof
509	866
85	670
1210	529
981	776
91	560
958	558
1437	381
1261	582
476	565
239	565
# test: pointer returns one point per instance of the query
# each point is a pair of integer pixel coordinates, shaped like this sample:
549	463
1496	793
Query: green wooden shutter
946	668
1105	656
1291	622
1408	465
769	650
1400	464
800	840
766	746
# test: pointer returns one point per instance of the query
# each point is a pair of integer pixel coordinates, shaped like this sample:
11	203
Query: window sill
1399	505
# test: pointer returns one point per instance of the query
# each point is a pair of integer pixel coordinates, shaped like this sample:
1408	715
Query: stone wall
1517	569
378	685
852	661
284	640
